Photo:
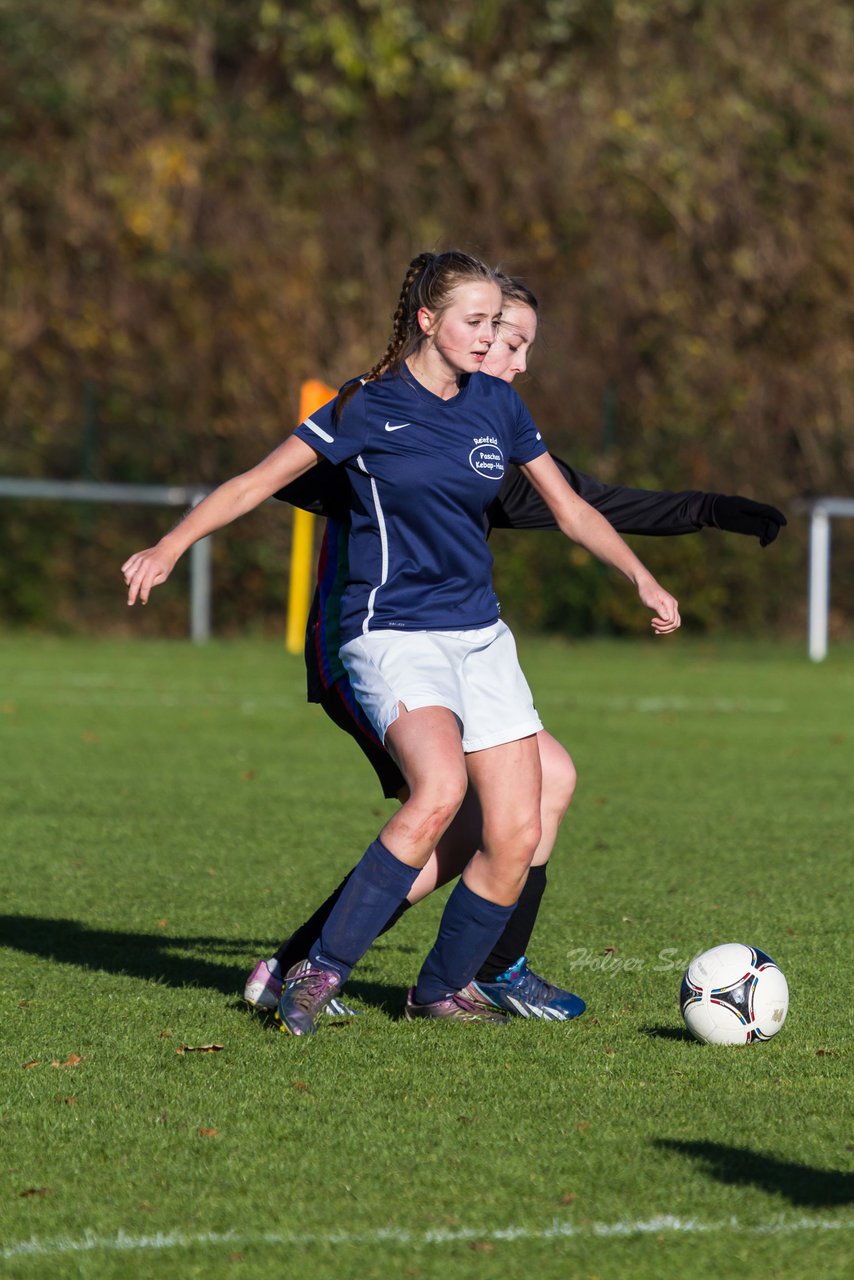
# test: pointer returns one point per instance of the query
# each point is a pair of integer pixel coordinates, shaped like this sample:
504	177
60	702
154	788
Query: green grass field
169	813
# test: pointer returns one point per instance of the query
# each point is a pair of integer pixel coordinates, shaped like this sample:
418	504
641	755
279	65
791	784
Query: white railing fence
820	512
157	495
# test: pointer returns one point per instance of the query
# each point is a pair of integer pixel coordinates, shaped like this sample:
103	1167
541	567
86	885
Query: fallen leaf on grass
583	1124
610	951
482	1246
165	1035
825	1053
199	1048
33	1062
300	1085
161	924
208	1133
69	1100
71	1061
25	1004
609	1050
569	1198
34	1191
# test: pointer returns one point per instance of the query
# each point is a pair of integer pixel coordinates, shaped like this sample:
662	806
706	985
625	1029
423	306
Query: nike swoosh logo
399	426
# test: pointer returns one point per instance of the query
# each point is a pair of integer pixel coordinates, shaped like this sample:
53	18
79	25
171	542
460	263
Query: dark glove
743	515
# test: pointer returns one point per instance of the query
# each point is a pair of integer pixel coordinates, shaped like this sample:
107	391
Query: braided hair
429	282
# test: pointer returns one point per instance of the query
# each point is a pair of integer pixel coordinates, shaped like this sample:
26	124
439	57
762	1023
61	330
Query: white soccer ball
733	994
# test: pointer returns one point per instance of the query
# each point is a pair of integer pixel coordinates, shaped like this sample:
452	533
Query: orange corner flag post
312	395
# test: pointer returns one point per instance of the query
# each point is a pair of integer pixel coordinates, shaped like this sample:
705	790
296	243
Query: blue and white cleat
519	990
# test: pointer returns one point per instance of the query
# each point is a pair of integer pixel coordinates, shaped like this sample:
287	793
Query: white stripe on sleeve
318	431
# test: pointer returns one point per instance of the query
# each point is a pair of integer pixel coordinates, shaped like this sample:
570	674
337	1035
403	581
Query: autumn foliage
201	205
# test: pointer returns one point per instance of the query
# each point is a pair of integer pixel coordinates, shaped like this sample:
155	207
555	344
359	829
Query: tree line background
204	202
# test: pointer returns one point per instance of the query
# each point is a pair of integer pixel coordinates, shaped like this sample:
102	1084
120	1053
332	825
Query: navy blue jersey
422	473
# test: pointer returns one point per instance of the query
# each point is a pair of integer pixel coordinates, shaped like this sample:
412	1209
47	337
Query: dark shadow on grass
141	955
389	1000
801	1184
152	956
668	1033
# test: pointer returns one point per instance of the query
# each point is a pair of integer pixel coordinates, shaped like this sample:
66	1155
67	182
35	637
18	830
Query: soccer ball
733	994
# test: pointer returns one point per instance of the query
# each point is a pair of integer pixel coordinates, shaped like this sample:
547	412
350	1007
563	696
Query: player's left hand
736	514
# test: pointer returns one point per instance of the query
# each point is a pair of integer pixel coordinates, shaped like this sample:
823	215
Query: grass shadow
668	1033
152	956
389	1000
801	1184
140	955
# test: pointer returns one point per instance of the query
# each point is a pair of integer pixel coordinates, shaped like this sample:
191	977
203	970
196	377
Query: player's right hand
663	604
146	569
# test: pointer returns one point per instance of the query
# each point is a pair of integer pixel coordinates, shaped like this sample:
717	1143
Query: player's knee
529	838
514	845
434	803
559	779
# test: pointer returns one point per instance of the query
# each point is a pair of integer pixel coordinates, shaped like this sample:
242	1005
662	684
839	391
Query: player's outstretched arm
580	522
652	512
145	570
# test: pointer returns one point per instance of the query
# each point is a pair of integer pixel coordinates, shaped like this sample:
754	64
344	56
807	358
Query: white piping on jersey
318	431
383	544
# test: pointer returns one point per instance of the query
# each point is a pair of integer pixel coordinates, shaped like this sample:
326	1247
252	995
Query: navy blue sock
374	890
296	946
469	929
513	943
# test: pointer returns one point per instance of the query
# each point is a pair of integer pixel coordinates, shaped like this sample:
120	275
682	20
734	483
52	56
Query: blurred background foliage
204	202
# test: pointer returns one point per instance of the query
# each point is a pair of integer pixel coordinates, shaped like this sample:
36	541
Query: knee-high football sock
375	888
513	942
467	931
296	947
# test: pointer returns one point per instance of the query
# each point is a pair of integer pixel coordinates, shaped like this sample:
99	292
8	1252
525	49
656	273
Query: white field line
103	689
123	1243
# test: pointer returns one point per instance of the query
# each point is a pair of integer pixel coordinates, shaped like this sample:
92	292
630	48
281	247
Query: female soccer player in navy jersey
427	443
504	980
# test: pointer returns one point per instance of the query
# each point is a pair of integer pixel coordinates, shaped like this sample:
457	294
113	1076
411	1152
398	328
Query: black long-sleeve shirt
325	492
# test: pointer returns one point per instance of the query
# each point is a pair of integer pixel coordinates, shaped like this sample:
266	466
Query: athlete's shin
375	889
468	930
516	934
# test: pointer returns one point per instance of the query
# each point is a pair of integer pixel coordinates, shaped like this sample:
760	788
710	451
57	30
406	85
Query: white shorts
475	674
